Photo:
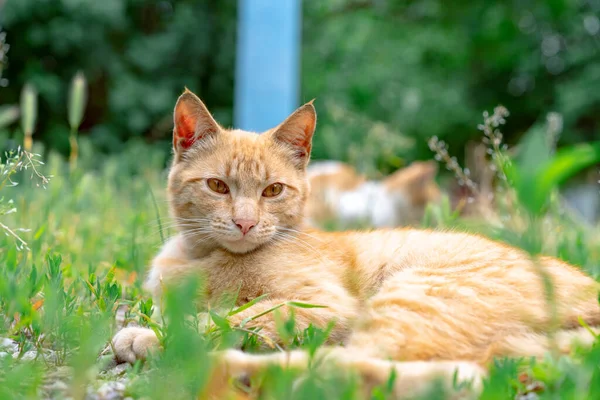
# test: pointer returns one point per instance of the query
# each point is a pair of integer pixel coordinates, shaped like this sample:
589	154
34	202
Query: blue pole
267	66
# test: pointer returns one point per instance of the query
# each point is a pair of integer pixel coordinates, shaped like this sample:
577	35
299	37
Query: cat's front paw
133	343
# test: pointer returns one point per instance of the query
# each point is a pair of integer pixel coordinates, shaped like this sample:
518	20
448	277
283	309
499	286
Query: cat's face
234	189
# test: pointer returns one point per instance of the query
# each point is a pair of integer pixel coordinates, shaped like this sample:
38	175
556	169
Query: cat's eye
273	190
217	185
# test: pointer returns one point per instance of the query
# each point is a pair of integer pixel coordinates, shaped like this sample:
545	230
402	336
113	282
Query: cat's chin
239	246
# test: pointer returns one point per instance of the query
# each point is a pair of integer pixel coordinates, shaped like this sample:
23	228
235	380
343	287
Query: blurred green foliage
137	56
387	69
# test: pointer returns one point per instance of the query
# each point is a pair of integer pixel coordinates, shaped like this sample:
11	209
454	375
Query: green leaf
92	278
303	305
285	328
221	322
146	307
567	162
32	280
536	175
247	305
534	150
246	320
110	275
40	232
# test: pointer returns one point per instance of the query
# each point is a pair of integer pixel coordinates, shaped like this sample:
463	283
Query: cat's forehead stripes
246	159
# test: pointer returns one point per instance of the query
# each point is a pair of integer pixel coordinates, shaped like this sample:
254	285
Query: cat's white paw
133	343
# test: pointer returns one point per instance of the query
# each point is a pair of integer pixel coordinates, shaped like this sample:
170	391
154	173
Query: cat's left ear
192	122
296	133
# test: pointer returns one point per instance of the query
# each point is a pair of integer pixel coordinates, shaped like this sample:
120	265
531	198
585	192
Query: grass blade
247	305
299	304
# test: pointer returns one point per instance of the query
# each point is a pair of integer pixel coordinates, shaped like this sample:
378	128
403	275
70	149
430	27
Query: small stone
106	363
63	372
28	356
9	345
119	370
90	395
111	391
50	356
57	386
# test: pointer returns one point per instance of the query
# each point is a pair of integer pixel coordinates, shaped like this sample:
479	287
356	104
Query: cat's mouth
243	244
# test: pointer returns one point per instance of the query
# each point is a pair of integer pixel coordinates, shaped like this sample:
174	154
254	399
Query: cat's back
410	247
366	259
478	290
446	255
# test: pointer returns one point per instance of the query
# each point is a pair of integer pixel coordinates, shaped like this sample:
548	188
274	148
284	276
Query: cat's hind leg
537	345
412	378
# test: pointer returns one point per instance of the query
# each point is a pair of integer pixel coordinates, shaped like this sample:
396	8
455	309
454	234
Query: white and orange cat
420	302
339	193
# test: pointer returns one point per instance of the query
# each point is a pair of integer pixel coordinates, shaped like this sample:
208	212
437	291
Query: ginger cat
339	193
424	303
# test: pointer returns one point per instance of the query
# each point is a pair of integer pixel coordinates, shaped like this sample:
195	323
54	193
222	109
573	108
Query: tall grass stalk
28	114
76	107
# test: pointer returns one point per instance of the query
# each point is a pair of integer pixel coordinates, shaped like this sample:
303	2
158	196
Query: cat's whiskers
158	230
295	241
170	218
300	232
286	237
196	232
191	219
196	221
179	220
171	222
187	226
167	223
205	238
172	225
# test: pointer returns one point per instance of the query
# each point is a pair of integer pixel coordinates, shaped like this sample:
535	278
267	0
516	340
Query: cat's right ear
296	133
192	122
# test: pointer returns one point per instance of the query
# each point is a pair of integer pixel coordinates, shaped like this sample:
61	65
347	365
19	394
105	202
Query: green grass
95	227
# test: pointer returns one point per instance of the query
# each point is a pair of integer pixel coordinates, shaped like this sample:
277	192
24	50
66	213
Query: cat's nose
245	224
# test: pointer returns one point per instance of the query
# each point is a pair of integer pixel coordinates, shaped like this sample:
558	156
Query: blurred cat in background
342	195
